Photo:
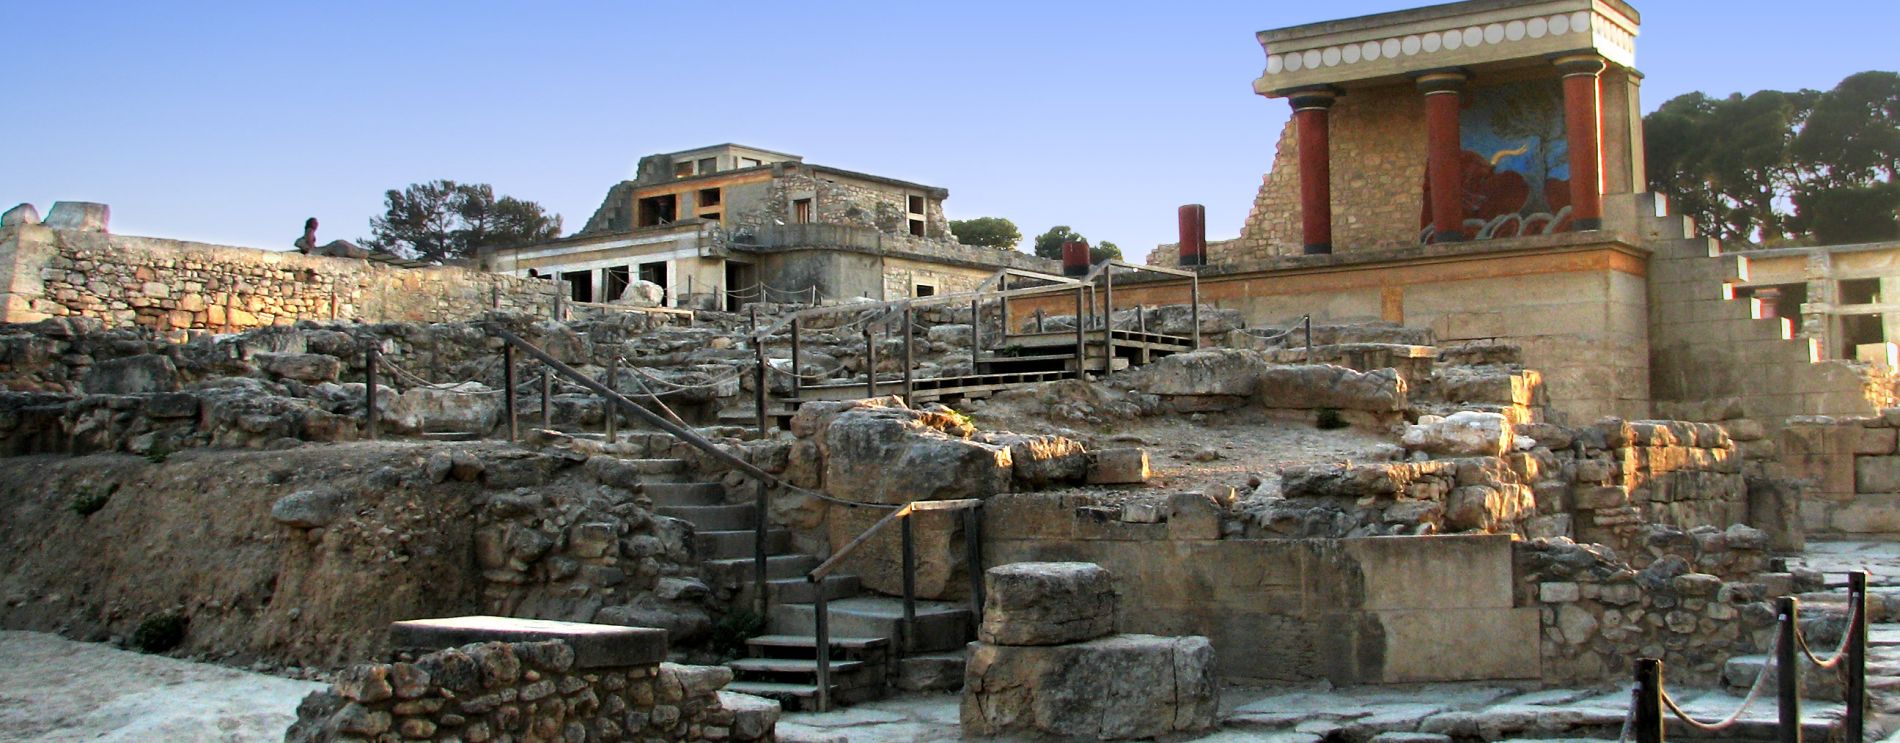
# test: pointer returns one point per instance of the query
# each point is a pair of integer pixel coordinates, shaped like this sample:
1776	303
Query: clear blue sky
232	122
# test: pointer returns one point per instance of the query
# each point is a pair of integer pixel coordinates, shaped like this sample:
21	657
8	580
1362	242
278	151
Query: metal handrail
821	603
766	481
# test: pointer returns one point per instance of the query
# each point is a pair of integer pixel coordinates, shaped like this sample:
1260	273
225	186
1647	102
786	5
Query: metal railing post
1108	321
1788	670
1039	328
1194	307
761	601
796	374
973	552
908	642
1081	344
1856	716
547	393
909	358
870	363
1648	722
613	383
821	620
370	357
758	352
508	393
1308	321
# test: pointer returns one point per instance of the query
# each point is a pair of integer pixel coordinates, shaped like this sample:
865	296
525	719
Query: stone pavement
1421	713
1309	713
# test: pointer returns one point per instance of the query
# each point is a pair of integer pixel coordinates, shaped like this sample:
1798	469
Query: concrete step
1816	683
802	646
941	626
738	570
685	493
791	697
722	545
795	667
714	518
802	591
931	671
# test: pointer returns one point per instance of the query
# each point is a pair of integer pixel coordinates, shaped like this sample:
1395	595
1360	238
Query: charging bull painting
1515	160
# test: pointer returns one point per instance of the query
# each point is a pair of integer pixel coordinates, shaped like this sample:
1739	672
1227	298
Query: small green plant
160	632
88	501
1328	419
732	630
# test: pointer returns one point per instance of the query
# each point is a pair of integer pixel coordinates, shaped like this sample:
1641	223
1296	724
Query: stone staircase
866	631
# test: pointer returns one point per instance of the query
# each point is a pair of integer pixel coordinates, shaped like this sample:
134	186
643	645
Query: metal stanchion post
1856	717
508	394
1787	670
1648	722
371	356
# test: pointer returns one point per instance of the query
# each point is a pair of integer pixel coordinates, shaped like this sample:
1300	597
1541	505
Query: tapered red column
1444	170
1310	116
1583	132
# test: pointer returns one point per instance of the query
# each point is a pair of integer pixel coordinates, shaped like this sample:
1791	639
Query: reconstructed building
722	225
1476	168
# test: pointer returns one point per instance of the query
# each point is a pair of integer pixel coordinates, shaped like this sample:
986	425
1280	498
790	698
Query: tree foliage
1777	167
988	232
445	220
1049	245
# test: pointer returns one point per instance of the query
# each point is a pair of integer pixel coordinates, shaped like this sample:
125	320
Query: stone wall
175	284
1851	469
499	691
1597	613
1706	345
838	198
1378	169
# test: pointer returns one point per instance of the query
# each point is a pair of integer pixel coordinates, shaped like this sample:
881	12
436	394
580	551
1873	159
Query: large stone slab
1046	603
1315	386
1465	433
594	645
893	456
1113	688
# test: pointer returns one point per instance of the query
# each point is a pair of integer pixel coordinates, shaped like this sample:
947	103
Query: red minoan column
1444	169
1316	174
1075	259
1581	128
1193	221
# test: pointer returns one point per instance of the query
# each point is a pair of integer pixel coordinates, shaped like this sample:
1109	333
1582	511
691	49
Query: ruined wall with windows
806	196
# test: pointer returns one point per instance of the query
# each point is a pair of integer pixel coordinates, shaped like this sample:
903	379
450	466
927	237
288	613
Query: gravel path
55	689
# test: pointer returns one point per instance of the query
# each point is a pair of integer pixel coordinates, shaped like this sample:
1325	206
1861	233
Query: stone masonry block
594	645
1875	441
1046	603
1113	688
1119	467
1877	474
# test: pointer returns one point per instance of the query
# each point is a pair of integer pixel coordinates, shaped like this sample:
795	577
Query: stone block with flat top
1046	603
595	645
1118	467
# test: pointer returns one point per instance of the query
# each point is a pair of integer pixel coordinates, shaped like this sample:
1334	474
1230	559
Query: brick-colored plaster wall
175	284
1378	164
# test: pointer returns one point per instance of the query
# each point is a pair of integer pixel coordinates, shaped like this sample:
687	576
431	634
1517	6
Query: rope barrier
1754	692
1629	717
1840	652
714	383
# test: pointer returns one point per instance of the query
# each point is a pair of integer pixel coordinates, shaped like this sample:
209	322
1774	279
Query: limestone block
1040	461
82	216
1113	688
307	509
309	368
1118	467
469	406
19	215
1877	474
1193	516
942	565
132	375
1213	371
1460	434
1315	386
1877	441
1046	603
890	455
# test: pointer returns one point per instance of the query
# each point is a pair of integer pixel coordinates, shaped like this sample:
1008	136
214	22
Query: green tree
988	232
1783	167
1049	244
445	220
1104	251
